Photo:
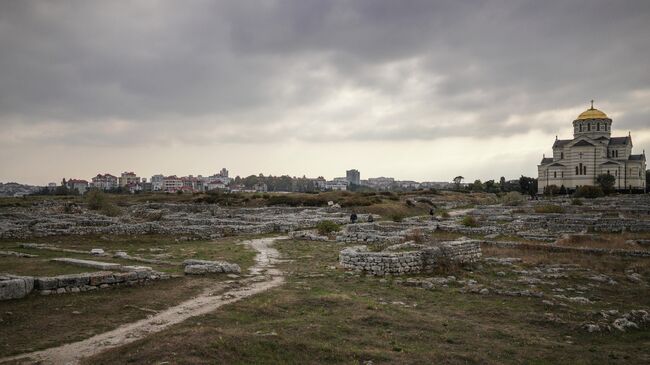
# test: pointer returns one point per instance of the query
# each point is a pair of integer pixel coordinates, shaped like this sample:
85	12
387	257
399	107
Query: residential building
157	182
128	178
104	182
172	183
353	177
79	184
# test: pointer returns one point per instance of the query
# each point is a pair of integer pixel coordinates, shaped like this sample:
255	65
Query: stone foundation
15	287
199	267
397	263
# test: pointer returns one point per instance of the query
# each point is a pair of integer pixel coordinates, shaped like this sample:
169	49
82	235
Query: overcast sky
422	90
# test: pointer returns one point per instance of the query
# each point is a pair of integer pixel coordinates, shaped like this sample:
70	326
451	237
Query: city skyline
414	90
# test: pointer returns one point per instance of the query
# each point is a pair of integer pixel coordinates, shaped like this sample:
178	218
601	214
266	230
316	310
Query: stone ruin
199	267
426	259
202	221
15	287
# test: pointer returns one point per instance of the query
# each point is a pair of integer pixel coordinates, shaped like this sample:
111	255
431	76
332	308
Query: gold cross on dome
592	103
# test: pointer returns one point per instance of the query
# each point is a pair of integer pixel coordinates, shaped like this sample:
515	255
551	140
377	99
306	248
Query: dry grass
327	317
607	241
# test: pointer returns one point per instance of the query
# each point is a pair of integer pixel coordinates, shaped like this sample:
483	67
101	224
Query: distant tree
491	186
477	186
457	181
551	190
528	185
563	190
502	184
606	182
62	190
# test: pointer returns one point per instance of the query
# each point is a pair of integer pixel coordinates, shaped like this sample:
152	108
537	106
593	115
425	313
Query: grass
326	227
38	322
549	208
146	246
328	317
469	221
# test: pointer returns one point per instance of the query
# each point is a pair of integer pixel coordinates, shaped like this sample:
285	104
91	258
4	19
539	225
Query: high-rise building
353	177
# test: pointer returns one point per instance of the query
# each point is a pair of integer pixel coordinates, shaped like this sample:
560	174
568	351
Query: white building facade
593	151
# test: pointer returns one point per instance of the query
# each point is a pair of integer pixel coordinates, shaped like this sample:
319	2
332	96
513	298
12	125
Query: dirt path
264	277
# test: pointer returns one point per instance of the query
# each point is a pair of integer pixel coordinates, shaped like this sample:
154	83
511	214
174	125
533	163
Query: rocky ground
559	281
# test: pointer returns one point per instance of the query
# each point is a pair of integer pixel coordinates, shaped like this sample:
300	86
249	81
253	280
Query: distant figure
353	218
432	213
370	218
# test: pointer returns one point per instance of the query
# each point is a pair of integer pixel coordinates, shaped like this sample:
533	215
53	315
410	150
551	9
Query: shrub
443	213
512	199
549	208
97	200
327	227
397	217
589	192
469	221
576	201
606	182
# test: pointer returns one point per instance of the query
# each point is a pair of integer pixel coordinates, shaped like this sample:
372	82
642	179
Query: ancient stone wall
396	263
14	287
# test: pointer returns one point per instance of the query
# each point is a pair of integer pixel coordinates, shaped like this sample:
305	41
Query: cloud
205	73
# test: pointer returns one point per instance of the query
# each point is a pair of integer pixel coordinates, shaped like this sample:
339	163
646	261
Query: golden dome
592	113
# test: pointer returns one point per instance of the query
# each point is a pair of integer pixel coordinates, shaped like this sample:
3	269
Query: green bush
512	199
397	217
327	227
549	208
589	192
469	221
576	201
97	200
443	213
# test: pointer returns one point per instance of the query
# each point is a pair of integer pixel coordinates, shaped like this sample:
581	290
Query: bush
443	213
549	208
327	227
97	200
589	192
512	199
576	201
469	221
397	217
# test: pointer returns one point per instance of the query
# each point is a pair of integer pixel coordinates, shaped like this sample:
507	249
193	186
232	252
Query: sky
416	90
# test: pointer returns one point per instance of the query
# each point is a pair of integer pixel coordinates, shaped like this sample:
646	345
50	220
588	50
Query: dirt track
264	277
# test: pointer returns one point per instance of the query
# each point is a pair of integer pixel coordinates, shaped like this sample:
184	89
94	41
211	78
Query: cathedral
591	152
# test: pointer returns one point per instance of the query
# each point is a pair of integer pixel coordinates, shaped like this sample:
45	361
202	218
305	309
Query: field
515	305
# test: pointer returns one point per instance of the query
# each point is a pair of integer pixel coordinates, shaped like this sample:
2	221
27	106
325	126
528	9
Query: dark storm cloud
257	71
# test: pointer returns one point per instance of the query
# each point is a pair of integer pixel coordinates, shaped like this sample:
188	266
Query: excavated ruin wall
14	287
397	263
166	219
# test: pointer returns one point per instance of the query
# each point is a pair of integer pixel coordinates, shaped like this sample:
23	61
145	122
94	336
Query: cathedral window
577	171
598	127
561	155
581	127
555	174
588	127
585	170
